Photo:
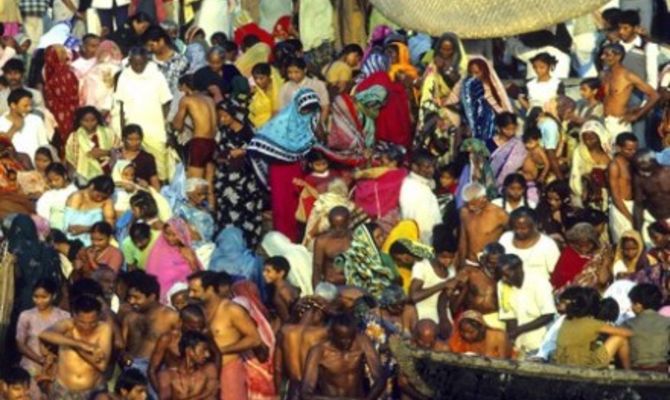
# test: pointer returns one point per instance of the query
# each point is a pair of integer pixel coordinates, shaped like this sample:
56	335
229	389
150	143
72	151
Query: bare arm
650	92
317	263
545	161
417	292
164	386
57	335
108	212
462	241
245	325
616	331
279	362
281	303
374	366
638	205
311	373
180	117
537	323
614	175
157	359
553	163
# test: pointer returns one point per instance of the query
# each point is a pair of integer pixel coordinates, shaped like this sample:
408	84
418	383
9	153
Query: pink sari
166	261
260	381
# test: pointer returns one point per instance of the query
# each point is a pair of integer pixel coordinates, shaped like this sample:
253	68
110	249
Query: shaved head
425	333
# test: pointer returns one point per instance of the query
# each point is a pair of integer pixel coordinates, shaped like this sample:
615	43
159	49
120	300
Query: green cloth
418	250
134	255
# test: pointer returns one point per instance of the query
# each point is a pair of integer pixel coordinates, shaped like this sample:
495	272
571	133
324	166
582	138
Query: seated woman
34	182
630	256
131	150
233	256
577	343
12	200
584	261
590	159
172	258
88	148
101	252
471	335
51	204
193	209
70	252
87	206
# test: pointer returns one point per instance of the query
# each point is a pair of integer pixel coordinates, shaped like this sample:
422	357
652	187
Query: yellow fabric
264	104
338	71
618	256
434	88
404	64
258	53
78	146
506	294
405	229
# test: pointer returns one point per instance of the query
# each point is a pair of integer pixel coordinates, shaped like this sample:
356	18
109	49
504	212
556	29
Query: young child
649	345
447	185
15	385
275	273
32	322
535	167
51	205
590	105
314	184
515	194
544	87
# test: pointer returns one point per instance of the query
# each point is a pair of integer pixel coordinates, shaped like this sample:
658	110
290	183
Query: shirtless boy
619	83
84	347
336	367
166	353
201	110
619	175
147	321
535	167
131	385
275	272
329	245
481	223
194	378
15	384
232	329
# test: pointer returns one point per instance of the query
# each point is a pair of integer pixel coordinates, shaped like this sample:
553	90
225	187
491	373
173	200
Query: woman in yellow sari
264	102
88	148
405	229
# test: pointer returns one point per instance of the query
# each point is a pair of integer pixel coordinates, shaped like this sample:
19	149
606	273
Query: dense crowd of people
249	199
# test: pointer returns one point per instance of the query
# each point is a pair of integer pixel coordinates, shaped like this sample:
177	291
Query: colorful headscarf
61	90
633	265
288	136
107	52
404	63
181	230
375	62
418	249
392	295
235	108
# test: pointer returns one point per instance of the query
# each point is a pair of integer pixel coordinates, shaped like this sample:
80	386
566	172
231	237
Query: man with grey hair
651	190
481	223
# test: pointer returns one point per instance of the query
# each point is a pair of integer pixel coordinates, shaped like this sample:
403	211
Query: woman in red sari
584	261
61	91
260	362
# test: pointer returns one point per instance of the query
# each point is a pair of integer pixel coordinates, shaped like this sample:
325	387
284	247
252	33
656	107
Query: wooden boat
450	376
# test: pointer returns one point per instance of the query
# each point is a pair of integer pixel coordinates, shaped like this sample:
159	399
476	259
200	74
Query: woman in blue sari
234	257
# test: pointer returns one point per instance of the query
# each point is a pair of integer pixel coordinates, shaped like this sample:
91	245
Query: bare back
655	191
202	111
621	183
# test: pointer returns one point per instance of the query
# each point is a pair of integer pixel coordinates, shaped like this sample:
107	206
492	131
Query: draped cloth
256	54
80	143
97	85
404	63
276	244
507	159
363	265
477	170
166	261
573	268
378	191
61	90
478	19
233	256
583	163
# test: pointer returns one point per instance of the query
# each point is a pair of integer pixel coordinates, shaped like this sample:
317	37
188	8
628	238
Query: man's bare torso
618	89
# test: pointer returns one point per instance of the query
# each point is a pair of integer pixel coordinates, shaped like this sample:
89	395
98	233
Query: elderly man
651	190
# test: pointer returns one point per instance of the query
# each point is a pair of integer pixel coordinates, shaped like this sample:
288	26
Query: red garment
281	28
377	197
393	123
284	197
569	265
253	29
61	92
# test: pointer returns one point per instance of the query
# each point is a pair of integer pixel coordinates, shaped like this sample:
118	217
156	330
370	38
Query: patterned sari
61	90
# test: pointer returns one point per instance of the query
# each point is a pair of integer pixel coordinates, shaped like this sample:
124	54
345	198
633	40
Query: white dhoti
618	222
615	126
648	220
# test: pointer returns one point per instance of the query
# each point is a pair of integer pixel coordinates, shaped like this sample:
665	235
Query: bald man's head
339	217
425	334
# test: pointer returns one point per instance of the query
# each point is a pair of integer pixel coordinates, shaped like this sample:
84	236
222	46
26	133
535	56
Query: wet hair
584	303
16	376
510	261
146	203
144	283
45	151
139	231
444	240
186	80
494	248
192	311
57	168
261	69
546	58
608	310
17	94
279	264
130	129
338	211
249	41
49	285
647	295
506	118
624	137
422	156
85	287
190	339
129	379
85	304
616	48
351	48
512	179
103	184
209	279
103	227
629	17
345	320
296	62
156	33
523	212
14	65
592	83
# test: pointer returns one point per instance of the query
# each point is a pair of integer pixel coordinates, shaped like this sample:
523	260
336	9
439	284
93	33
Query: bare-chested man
651	189
130	385
481	223
425	337
84	347
194	378
147	321
329	245
166	353
284	295
295	340
619	84
476	284
201	110
620	182
336	368
232	329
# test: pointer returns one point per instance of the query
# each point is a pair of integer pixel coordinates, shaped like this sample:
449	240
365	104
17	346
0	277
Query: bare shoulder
75	199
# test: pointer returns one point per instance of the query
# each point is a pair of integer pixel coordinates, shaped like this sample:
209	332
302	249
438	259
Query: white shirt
419	203
539	93
619	290
32	136
539	259
107	4
423	271
508	207
534	299
51	205
81	66
651	54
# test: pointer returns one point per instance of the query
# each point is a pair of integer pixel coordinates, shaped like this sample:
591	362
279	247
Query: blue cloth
200	219
232	256
418	45
84	218
480	115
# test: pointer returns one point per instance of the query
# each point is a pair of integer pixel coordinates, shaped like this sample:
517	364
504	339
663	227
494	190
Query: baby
535	167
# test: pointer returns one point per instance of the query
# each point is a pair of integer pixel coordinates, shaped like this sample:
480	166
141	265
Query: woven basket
478	19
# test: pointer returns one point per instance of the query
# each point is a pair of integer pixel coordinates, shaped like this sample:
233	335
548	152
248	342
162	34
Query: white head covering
176	288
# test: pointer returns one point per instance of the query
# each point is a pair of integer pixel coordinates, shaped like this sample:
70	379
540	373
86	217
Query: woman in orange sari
471	335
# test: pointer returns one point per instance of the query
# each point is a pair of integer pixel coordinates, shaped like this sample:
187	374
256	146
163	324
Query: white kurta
419	203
